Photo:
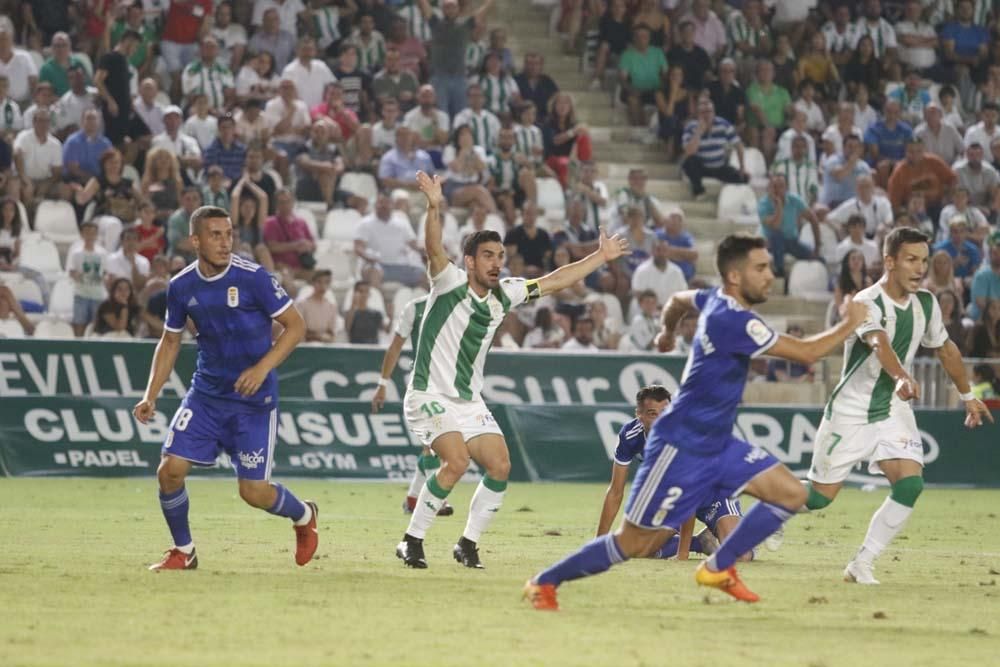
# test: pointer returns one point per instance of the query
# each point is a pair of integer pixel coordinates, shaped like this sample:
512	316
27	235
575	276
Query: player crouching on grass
868	416
720	514
232	404
443	405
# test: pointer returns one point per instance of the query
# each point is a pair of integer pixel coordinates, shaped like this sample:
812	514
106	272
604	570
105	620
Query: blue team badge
279	291
233	297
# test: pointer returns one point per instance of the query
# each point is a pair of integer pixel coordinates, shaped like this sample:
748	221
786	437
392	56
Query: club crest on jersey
279	291
233	297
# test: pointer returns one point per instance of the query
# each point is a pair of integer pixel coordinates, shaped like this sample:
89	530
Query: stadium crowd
309	121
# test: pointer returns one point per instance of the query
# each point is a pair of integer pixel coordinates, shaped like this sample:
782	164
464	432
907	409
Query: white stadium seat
309	218
738	203
56	221
341	224
809	280
551	198
10	278
337	257
42	255
61	298
86	62
53	328
131	173
28	290
11	328
359	183
828	247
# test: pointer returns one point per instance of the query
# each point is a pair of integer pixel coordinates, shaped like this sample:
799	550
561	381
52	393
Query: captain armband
534	290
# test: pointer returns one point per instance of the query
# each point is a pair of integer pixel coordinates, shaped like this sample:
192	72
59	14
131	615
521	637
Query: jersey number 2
673	495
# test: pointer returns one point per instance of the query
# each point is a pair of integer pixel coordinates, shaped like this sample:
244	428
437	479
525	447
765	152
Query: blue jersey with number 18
232	312
700	420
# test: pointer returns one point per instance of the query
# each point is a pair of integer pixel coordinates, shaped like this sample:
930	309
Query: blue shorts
84	310
204	426
710	513
673	485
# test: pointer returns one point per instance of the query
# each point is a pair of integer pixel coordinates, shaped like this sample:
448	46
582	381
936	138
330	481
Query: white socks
886	523
416	483
429	501
305	518
187	549
485	504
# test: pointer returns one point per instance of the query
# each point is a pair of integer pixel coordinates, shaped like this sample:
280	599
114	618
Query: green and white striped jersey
485	126
457	331
408	324
866	394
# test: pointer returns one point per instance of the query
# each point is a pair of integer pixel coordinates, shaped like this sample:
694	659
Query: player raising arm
232	404
868	416
443	405
691	453
408	326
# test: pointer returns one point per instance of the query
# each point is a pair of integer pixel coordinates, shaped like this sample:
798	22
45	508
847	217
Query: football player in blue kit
720	515
232	403
691	455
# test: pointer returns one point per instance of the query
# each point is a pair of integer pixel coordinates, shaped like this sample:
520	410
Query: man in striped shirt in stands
443	405
799	171
707	141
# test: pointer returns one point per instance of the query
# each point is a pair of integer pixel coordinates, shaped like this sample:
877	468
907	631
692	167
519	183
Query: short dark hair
205	213
652	392
900	236
478	238
321	273
130	34
647	294
735	248
855	220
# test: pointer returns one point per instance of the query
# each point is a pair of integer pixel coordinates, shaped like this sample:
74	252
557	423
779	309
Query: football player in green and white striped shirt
443	405
868	416
408	328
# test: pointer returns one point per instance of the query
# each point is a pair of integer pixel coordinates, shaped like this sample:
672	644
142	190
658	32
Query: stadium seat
56	220
309	218
28	291
109	232
359	183
450	234
42	255
337	257
26	222
10	278
61	298
828	239
738	203
341	223
809	280
755	165
11	328
53	328
551	198
86	62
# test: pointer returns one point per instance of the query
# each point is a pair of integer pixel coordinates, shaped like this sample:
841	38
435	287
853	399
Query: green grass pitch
75	590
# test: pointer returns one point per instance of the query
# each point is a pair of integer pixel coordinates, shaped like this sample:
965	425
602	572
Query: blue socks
286	504
595	557
762	520
669	550
175	510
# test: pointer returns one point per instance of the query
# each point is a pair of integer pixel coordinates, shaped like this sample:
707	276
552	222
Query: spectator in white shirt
127	262
833	136
288	118
875	209
17	66
288	12
388	242
583	337
855	240
939	137
232	37
183	147
309	74
546	334
76	100
147	108
659	275
38	157
201	124
917	38
984	131
645	324
318	311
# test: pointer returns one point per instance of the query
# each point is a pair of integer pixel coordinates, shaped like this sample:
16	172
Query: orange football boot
726	581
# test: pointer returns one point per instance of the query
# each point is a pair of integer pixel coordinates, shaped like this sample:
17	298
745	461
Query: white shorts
839	447
430	415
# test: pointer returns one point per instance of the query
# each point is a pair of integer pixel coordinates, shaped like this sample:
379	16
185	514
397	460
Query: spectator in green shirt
143	57
640	70
56	69
770	108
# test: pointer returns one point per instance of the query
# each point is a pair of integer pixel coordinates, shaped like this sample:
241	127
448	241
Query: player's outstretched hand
378	400
144	410
612	248
431	187
250	381
975	410
664	341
